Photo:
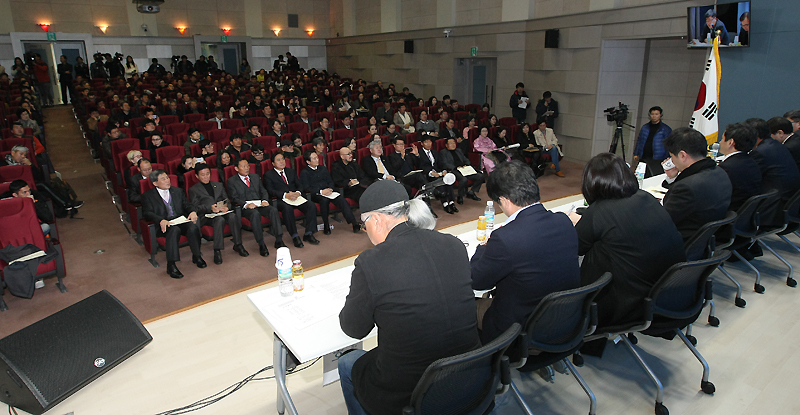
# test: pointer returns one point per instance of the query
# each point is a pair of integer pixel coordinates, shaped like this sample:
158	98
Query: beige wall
202	17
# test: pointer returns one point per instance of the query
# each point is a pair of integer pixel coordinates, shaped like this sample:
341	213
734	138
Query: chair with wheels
555	330
465	384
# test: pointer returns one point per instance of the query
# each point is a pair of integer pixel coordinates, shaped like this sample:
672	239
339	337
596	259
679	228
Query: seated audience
404	120
282	183
156	141
237	146
778	171
132	188
546	139
432	169
20	188
187	165
347	174
245	190
781	130
451	158
193	137
317	181
743	172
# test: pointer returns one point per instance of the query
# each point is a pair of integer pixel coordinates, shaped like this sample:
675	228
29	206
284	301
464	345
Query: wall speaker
551	39
408	47
46	362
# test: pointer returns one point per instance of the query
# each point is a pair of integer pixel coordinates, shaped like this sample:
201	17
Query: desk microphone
445	180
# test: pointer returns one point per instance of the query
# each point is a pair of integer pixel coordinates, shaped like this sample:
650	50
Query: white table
325	296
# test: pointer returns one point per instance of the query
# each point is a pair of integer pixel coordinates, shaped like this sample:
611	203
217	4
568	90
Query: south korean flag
704	117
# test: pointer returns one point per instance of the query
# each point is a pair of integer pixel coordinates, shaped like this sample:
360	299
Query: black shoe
198	260
356	227
460	200
279	243
327	230
453	207
449	209
173	271
473	196
77	204
756	250
262	250
239	249
217	257
297	242
311	239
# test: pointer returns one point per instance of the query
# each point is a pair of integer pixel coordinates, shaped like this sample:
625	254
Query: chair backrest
192	118
8	143
204	126
463	384
561	319
124	145
168	119
703	242
166	154
680	292
177	128
20	171
219	136
232	124
19	223
748	219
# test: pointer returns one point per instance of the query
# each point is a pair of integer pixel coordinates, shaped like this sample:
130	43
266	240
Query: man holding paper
246	191
319	183
169	209
210	201
453	160
282	183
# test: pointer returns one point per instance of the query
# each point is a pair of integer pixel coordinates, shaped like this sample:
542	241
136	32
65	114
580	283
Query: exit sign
51	37
223	39
473	51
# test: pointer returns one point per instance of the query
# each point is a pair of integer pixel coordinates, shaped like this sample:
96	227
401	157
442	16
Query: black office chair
555	330
745	229
787	216
702	245
465	384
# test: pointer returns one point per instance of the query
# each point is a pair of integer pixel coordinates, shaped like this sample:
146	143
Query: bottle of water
283	262
489	215
640	170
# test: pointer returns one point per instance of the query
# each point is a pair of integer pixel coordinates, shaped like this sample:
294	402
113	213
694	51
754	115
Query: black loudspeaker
551	39
46	362
408	47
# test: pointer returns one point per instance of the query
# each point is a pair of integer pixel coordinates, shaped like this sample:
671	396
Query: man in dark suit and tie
451	158
132	182
282	183
163	204
778	168
348	175
401	162
317	181
209	197
522	269
347	124
702	192
376	166
781	130
742	170
245	189
432	169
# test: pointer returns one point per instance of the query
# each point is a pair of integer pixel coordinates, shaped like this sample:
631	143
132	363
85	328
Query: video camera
617	114
174	63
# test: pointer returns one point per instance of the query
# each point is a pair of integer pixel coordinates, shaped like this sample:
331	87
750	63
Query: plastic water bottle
481	232
640	170
489	214
297	275
283	262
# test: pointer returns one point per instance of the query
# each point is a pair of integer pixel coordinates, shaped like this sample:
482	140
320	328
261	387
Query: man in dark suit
376	166
209	197
174	110
702	192
65	79
325	127
163	204
276	132
415	286
451	158
781	130
401	162
317	181
246	187
282	183
432	168
523	270
348	124
742	170
778	169
132	182
385	115
348	175
448	131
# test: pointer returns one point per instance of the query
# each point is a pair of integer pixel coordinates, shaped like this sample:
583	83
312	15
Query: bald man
348	175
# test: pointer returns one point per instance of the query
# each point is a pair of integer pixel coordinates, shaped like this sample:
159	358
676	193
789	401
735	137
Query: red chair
470	107
219	136
298	127
166	120
171	140
192	118
441	144
18	172
261	121
205	126
8	143
269	142
507	121
166	154
124	146
333	157
190	178
362	142
20	227
177	128
343	133
232	124
363	153
4	187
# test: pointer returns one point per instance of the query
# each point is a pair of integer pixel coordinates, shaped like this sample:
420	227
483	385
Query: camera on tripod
617	114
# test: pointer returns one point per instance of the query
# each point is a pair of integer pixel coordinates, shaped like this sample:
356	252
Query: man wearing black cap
428	295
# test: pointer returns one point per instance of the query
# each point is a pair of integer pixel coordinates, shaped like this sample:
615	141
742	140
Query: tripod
617	139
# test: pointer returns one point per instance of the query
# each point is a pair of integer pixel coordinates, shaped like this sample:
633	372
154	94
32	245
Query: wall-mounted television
730	21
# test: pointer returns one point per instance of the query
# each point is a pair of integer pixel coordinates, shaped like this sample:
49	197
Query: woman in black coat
625	231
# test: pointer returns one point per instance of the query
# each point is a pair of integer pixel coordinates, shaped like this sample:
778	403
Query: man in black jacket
164	203
65	79
781	130
317	181
403	161
20	188
451	158
132	182
742	170
702	192
209	197
347	174
428	295
432	168
376	166
282	183
245	190
778	168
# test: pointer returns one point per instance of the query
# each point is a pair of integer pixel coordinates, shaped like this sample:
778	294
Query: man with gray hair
18	156
376	166
428	295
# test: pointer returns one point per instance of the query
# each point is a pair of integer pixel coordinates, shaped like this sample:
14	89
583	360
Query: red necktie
283	176
247	181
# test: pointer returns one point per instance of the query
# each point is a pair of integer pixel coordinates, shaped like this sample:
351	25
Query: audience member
132	188
193	137
547	109
318	182
743	172
781	130
245	190
20	188
347	174
404	120
546	139
432	168
283	184
237	147
451	158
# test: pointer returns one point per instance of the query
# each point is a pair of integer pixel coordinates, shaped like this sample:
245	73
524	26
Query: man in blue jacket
650	144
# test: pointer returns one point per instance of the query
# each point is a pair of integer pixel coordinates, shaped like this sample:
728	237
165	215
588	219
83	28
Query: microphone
445	180
714	149
510	146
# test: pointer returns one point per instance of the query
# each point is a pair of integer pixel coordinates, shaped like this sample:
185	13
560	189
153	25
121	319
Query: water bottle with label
640	171
283	262
489	214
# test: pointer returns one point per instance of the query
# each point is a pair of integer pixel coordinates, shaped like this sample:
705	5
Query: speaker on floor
551	39
408	46
46	362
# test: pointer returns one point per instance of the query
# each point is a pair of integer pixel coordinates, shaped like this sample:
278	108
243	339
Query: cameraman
97	68
650	144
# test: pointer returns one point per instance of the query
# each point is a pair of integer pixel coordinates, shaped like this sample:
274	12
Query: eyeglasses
364	222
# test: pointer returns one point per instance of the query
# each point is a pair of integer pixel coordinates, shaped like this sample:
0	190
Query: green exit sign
223	39
473	51
51	37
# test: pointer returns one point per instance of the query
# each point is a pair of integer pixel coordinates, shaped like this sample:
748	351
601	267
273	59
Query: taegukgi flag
704	117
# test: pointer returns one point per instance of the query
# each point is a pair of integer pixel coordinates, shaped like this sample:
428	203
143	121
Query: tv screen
730	21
